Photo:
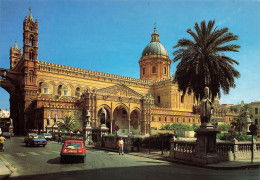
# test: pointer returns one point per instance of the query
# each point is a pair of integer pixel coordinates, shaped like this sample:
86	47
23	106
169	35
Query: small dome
155	48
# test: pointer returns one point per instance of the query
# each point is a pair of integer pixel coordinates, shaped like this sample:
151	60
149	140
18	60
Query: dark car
7	134
35	140
47	136
73	149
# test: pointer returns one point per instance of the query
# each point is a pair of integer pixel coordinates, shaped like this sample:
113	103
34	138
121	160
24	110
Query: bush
237	136
224	127
220	135
178	126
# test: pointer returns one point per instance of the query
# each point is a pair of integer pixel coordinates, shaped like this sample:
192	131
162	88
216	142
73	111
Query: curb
4	171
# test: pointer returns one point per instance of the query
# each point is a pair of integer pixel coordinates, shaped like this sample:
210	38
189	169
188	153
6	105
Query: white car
47	136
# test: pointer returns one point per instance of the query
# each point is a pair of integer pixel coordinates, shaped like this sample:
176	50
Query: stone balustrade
228	150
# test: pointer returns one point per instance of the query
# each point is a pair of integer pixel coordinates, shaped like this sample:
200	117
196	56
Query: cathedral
42	93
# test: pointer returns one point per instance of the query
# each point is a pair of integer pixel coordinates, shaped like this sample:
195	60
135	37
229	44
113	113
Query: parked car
28	135
33	140
7	134
47	136
73	149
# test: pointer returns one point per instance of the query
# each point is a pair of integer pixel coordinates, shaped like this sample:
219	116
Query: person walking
60	138
2	143
121	146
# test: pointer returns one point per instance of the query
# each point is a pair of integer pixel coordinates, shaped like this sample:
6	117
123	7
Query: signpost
116	128
252	132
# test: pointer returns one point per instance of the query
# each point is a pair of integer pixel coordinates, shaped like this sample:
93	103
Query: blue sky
110	35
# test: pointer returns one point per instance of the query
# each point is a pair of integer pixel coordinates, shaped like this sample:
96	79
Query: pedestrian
2	143
120	144
60	138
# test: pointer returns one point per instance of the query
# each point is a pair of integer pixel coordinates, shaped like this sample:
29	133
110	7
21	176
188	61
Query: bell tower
30	50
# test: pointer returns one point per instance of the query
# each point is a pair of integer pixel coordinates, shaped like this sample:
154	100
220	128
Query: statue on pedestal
206	107
88	118
103	115
48	120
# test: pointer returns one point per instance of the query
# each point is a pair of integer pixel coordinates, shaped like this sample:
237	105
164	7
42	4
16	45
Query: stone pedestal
54	129
48	129
205	149
102	130
87	135
11	130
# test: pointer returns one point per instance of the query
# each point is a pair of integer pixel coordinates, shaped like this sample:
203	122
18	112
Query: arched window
164	70
40	87
77	92
154	69
30	76
182	99
65	91
165	119
159	99
60	90
31	40
143	71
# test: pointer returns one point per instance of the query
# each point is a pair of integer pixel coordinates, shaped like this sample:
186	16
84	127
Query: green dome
155	48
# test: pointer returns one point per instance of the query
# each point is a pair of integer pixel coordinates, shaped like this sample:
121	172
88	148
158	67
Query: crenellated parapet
79	72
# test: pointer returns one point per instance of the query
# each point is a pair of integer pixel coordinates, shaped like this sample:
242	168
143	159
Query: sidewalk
228	165
4	171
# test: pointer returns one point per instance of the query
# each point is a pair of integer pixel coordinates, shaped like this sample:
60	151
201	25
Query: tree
68	124
239	124
203	63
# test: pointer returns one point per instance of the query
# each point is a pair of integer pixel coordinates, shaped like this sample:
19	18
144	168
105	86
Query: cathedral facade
42	93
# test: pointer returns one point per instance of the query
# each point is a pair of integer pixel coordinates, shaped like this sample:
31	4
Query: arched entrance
135	123
108	117
120	115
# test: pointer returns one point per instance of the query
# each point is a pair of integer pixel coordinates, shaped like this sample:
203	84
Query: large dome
155	48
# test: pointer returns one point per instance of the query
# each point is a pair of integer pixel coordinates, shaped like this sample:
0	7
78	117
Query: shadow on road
69	161
164	172
54	161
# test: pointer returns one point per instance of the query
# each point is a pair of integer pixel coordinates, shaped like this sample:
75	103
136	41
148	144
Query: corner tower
155	62
15	56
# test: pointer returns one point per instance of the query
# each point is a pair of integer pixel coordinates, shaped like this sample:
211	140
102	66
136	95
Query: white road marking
20	154
44	152
34	153
56	151
7	155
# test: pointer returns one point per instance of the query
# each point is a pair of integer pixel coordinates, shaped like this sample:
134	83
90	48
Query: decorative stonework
120	90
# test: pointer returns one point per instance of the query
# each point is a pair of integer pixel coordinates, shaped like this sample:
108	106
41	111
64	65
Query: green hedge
224	127
178	126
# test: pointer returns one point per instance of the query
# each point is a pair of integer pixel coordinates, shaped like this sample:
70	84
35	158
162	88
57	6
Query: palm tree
203	63
67	124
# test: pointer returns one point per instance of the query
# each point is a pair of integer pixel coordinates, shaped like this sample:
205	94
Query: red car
73	149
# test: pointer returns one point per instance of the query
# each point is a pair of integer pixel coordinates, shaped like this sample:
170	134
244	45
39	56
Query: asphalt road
37	163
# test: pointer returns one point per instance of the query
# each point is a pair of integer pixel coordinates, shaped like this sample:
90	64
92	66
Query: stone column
129	129
111	125
87	130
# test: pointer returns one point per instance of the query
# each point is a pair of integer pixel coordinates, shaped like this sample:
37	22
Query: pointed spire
15	46
25	18
30	16
155	36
